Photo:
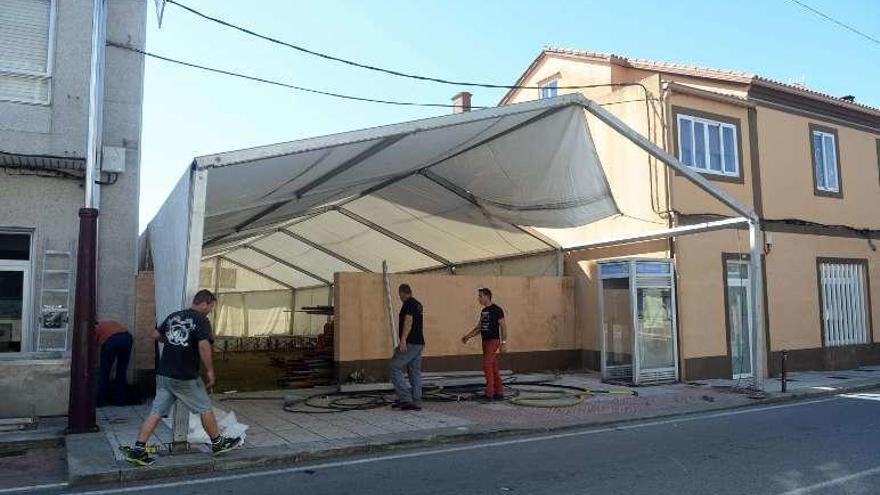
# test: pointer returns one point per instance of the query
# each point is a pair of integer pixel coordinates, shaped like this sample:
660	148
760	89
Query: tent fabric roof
424	194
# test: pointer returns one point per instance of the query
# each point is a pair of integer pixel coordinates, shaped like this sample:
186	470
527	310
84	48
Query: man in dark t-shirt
186	339
493	330
408	354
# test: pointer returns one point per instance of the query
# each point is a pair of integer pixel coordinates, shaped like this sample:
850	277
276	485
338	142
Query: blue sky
189	113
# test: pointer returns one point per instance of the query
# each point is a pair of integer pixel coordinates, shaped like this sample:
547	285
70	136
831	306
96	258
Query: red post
84	348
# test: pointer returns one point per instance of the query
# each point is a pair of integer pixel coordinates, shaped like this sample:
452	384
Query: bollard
784	371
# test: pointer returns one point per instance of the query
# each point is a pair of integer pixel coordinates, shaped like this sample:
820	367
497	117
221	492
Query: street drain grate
839	377
13	453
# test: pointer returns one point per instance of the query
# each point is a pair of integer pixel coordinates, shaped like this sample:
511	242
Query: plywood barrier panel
539	312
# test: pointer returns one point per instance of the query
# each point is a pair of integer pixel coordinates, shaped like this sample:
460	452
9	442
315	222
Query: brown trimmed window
826	168
708	146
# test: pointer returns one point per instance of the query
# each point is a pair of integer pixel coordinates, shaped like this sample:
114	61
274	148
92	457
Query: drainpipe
81	417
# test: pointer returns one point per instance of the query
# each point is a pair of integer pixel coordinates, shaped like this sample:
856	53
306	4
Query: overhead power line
304	89
392	72
280	83
835	21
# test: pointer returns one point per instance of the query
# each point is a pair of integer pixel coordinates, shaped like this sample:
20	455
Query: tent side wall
180	223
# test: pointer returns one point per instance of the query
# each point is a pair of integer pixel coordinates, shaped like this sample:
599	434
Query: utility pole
81	407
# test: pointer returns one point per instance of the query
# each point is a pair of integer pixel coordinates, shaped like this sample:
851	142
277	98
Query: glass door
617	330
14	306
656	334
739	318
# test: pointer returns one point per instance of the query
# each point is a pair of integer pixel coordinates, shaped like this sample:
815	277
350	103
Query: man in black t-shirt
493	329
408	354
186	338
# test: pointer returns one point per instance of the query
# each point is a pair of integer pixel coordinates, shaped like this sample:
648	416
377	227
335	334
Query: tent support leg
756	261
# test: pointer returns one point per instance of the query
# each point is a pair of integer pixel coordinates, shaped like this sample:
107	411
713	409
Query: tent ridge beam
350	163
470	198
328	252
252	270
391	235
287	264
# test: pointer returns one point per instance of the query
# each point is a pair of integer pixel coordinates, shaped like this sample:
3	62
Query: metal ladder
56	279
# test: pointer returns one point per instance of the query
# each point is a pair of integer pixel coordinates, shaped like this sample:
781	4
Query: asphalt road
817	447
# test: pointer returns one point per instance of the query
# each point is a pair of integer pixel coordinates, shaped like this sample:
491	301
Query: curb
30	441
275	456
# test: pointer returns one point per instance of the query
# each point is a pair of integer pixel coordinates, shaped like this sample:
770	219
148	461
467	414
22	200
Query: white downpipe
96	103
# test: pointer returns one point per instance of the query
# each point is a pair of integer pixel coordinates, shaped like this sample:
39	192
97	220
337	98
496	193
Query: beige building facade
806	162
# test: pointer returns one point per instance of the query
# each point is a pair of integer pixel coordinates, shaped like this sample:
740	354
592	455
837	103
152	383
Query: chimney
462	102
849	98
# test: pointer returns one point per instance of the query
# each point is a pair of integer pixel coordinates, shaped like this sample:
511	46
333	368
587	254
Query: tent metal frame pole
391	235
393	180
754	222
461	193
326	251
287	264
652	149
348	164
216	287
497	259
255	271
663	234
292	324
262	230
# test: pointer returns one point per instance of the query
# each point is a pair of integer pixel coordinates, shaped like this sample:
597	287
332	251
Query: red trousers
491	369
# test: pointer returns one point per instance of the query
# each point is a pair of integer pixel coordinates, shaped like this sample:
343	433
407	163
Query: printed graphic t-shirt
489	326
181	333
413	308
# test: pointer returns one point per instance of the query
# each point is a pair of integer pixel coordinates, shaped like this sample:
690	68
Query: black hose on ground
529	394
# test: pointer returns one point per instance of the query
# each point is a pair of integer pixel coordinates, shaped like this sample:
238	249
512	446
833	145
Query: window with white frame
825	164
26	32
843	303
708	146
550	89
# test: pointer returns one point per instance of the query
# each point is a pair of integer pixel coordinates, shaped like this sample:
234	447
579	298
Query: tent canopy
430	193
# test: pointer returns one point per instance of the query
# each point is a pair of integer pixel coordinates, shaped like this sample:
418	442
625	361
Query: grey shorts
190	392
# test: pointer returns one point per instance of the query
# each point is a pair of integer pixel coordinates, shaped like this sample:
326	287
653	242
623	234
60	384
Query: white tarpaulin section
420	195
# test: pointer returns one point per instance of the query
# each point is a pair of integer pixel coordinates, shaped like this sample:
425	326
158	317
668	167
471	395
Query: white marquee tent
428	194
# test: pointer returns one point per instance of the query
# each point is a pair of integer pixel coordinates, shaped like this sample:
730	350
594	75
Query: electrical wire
835	21
311	90
392	72
279	83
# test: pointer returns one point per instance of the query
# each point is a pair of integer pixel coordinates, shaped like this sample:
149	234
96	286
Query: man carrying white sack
187	339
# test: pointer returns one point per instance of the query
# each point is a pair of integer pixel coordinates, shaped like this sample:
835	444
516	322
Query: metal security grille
844	303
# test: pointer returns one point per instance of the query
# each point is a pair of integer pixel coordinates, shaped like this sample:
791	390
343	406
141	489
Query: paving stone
264	440
90	459
299	435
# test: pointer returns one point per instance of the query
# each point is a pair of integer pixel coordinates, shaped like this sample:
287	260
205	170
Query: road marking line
33	488
833	482
448	450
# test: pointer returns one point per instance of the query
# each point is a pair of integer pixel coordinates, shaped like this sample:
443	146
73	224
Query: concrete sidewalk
277	437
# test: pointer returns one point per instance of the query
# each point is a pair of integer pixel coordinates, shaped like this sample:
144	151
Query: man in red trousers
493	331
